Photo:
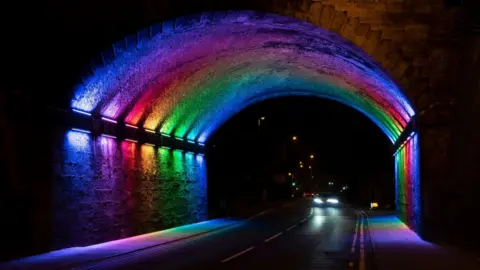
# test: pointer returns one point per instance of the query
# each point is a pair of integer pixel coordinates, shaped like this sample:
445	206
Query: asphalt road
295	236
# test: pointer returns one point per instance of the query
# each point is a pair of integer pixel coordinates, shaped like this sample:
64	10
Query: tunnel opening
292	147
185	78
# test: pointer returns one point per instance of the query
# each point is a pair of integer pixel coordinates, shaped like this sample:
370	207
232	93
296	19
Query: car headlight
317	200
334	201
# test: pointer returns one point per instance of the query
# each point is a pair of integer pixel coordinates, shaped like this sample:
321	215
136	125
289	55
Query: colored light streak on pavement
176	82
65	258
389	230
408	183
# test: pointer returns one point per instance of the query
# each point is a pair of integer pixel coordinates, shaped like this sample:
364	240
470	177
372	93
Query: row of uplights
134	127
130	140
405	142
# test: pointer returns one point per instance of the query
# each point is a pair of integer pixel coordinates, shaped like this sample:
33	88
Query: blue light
82	112
81	130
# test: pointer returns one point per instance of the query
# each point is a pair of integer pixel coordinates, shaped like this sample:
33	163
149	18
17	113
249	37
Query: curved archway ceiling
188	81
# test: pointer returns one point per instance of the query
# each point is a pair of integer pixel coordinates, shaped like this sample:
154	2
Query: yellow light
263	118
373	205
312	156
294	138
301	165
289	174
309	167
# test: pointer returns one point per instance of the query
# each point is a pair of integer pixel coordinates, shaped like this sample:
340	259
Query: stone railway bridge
429	47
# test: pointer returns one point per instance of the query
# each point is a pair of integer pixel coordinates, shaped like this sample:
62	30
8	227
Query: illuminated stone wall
104	189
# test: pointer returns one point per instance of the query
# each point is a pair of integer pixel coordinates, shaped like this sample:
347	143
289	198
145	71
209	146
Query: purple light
130	140
109	120
82	112
131	126
109	136
149	130
81	130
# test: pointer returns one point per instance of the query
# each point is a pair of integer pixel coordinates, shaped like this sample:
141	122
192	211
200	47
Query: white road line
291	227
259	214
361	265
273	237
355	235
238	254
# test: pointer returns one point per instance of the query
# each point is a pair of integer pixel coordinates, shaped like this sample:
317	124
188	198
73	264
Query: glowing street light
301	165
289	174
294	138
309	167
312	156
262	118
293	184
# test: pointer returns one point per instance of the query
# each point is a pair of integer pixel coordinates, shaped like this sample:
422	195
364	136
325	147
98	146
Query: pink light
81	112
109	120
109	136
131	126
149	130
130	140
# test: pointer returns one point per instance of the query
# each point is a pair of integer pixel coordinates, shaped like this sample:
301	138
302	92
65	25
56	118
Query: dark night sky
347	145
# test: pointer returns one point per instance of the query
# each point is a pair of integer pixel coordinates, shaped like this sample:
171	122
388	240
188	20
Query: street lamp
312	156
289	174
309	167
301	165
262	118
294	138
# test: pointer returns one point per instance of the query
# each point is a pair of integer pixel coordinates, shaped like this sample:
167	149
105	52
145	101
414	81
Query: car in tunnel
326	200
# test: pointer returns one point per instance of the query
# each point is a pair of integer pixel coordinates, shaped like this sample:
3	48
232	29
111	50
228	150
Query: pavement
293	236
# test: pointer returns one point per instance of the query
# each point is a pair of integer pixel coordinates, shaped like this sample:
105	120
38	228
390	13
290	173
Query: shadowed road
295	236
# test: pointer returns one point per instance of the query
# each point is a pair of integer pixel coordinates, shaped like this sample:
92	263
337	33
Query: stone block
348	29
382	50
361	33
327	16
339	19
371	41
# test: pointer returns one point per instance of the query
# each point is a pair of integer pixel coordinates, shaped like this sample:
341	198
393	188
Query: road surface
295	236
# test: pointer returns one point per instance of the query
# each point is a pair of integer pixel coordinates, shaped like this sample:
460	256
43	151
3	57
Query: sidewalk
399	248
70	257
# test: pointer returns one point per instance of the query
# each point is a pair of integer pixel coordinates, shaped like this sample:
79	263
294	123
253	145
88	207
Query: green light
293	183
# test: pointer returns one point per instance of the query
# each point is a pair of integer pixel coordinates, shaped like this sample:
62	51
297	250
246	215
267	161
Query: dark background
247	160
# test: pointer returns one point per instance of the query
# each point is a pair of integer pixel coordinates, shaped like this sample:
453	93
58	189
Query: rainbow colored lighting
407	181
216	69
186	82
